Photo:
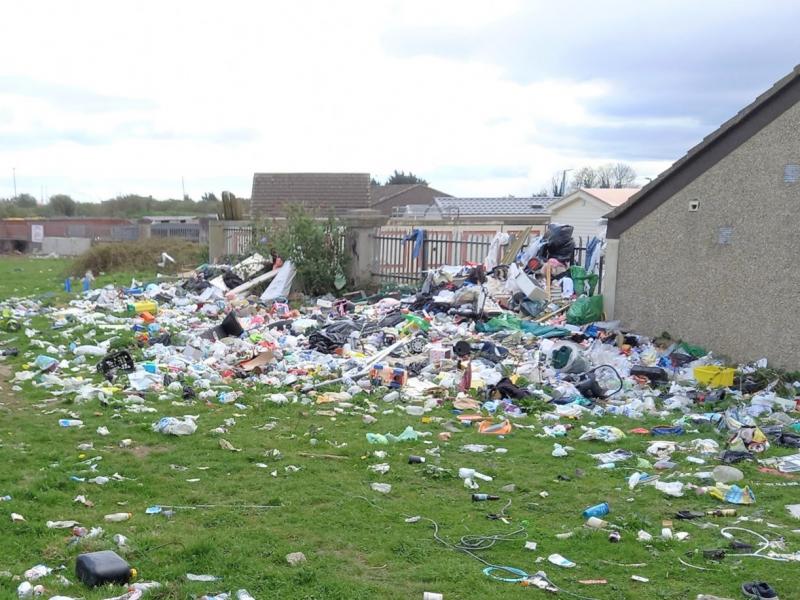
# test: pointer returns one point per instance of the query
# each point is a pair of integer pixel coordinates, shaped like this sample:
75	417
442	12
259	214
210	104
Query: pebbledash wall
727	275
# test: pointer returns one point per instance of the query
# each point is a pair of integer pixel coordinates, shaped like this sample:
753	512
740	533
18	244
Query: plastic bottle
416	460
244	595
118	517
414	410
598	510
596	523
483	497
70	422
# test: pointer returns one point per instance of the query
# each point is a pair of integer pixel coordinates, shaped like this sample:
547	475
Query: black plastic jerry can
99	568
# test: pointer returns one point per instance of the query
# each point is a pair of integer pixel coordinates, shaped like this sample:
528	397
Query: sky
480	98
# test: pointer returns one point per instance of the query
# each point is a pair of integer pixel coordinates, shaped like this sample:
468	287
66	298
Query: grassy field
357	542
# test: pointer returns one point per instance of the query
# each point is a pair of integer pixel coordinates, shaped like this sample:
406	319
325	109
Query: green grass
356	540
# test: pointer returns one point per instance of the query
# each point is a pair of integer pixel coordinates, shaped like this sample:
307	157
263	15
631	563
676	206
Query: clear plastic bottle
118	517
70	422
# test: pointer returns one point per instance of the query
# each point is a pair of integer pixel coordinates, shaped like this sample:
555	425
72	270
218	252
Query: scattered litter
295	558
205	578
560	561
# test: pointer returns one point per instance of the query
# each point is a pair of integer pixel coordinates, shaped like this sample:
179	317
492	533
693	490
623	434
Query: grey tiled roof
320	191
487	207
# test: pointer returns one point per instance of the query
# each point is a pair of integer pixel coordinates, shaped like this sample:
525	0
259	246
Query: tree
616	175
209	197
25	201
623	176
61	204
374	182
585	177
604	176
556	184
401	177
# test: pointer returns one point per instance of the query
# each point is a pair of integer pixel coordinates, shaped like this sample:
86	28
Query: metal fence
125	233
186	231
407	258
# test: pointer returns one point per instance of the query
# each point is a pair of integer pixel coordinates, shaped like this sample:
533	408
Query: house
394	199
708	251
322	192
585	209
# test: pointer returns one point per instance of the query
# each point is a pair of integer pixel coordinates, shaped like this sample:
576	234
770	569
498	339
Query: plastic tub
714	376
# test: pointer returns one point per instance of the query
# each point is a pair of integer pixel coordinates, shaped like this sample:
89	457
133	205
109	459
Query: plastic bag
603	433
586	309
175	426
557	243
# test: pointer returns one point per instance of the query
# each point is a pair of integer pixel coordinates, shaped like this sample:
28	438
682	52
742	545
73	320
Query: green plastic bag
586	309
507	322
580	278
500	323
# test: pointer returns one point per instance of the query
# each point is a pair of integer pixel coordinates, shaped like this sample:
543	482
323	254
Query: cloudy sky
480	98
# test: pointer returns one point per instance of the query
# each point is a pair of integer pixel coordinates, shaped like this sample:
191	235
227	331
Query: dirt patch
145	451
8	400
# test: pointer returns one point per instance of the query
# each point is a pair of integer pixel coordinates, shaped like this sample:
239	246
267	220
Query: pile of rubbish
520	346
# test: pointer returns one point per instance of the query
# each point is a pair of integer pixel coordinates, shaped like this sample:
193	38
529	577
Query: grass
356	540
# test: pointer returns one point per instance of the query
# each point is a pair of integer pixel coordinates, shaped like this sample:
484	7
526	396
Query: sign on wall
37	233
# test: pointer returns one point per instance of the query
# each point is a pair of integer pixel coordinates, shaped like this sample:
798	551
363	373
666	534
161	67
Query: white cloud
215	91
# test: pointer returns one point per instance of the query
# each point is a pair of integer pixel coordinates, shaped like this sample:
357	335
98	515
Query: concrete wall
742	298
65	246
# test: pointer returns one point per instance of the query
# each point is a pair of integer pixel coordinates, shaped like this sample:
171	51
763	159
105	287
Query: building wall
583	214
65	246
740	299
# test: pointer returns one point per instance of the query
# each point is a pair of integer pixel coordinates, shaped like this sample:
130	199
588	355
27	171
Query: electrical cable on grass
757	554
468	544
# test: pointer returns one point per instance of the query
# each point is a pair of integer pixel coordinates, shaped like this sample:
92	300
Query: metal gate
407	258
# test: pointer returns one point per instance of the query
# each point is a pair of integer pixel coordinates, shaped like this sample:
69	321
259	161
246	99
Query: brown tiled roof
385	197
316	191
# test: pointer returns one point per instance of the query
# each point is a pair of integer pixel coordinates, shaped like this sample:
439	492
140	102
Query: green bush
316	247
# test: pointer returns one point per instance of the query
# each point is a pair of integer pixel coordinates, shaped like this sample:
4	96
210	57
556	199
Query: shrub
316	247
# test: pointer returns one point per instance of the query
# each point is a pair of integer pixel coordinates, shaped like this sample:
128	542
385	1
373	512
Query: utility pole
183	187
14	175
